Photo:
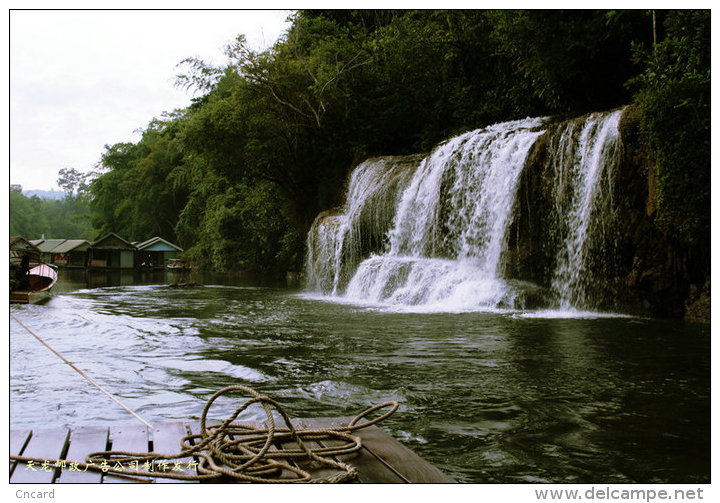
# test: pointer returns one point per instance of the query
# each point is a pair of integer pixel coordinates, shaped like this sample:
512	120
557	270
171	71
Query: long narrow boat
40	278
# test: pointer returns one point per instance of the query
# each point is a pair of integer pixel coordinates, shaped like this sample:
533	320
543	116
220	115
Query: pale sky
82	79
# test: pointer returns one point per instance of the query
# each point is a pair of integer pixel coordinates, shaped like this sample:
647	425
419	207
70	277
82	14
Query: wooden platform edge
407	464
370	471
382	459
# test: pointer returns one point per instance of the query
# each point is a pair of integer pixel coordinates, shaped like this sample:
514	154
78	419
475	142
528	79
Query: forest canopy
237	177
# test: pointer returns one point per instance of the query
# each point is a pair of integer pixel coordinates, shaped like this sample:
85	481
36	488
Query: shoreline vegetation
237	178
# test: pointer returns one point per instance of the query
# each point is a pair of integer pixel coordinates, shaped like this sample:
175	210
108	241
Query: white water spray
579	169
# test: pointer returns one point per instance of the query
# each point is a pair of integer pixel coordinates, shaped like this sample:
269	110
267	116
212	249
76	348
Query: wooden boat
176	264
40	278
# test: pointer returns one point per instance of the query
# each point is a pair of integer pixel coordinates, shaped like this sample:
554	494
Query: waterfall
458	203
432	231
323	251
584	153
339	241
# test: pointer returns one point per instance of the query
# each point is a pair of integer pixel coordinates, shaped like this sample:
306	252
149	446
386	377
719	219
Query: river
488	397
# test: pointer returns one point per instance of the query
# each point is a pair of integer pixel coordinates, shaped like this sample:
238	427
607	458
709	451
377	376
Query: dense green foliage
32	217
674	99
134	198
237	177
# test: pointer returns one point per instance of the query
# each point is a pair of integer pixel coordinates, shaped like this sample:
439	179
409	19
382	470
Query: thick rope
90	379
245	453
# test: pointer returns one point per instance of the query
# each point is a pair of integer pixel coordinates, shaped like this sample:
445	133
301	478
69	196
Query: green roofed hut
71	253
155	252
46	247
111	252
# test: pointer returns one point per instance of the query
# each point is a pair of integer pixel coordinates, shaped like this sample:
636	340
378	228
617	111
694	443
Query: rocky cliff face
635	268
662	276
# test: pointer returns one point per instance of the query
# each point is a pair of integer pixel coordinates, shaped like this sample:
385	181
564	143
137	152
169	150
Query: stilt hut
154	252
71	253
111	252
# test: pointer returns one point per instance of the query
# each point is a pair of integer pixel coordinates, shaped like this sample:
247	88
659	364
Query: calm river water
487	397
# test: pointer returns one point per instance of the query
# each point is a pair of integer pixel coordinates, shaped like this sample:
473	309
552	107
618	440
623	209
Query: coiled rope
234	451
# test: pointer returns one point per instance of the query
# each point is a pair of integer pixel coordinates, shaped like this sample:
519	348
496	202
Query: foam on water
568	313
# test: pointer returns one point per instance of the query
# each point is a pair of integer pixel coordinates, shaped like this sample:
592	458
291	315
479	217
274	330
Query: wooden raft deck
381	460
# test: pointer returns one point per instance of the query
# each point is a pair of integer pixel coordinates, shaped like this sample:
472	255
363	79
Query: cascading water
324	247
432	232
339	241
459	201
585	154
451	223
447	224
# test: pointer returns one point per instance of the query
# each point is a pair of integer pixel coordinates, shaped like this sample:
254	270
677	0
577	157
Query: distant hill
45	194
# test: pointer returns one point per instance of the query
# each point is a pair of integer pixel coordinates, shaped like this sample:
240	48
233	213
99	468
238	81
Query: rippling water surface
487	397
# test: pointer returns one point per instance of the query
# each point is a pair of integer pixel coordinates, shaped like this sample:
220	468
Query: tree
135	195
71	181
34	217
240	174
673	94
576	60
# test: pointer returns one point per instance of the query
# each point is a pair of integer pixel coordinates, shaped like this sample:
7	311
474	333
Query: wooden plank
46	444
127	438
403	460
18	441
193	428
381	460
83	441
19	297
370	469
166	440
317	470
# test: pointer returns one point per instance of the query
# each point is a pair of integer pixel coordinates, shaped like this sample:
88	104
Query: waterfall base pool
500	397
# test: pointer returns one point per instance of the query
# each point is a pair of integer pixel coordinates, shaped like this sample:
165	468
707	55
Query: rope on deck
246	453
